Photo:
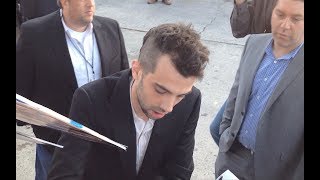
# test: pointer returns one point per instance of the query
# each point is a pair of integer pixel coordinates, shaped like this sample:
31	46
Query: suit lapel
255	57
106	49
123	124
293	69
61	52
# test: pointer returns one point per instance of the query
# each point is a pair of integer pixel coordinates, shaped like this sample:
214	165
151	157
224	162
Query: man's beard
144	108
139	98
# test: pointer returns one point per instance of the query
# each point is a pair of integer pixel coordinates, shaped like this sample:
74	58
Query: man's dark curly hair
181	43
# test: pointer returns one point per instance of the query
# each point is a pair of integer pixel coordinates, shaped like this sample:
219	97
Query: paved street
211	19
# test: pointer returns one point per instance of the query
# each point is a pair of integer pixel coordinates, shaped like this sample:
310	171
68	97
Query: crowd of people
75	63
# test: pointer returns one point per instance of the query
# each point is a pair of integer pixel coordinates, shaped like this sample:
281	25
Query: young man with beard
153	108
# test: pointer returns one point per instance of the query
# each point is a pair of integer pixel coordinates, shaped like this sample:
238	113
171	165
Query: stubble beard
139	99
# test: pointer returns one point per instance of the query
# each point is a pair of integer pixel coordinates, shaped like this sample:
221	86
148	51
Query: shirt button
274	61
258	97
265	79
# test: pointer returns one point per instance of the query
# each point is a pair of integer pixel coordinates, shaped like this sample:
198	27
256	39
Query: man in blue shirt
262	130
247	17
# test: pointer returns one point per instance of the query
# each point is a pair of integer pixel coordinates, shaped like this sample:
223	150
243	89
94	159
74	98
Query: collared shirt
84	53
143	134
265	81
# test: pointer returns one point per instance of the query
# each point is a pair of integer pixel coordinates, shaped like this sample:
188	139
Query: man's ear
136	68
63	3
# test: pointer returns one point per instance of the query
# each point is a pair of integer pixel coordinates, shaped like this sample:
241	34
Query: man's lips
282	35
158	114
89	12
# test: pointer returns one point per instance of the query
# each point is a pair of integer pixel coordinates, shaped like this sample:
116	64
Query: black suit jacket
44	71
104	106
35	8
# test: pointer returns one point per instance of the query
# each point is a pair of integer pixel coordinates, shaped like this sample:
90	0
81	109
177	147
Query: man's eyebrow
165	89
295	15
278	11
298	15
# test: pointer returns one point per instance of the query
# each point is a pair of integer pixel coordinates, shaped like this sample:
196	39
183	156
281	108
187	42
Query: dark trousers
43	161
239	160
215	124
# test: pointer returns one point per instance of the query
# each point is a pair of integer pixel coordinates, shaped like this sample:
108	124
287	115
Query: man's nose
168	104
286	23
90	2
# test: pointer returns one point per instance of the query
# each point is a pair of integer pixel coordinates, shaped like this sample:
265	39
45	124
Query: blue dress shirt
265	81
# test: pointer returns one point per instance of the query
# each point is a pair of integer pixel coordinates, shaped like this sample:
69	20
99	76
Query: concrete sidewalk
211	19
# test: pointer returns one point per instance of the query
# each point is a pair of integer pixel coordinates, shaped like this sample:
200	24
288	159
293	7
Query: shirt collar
290	55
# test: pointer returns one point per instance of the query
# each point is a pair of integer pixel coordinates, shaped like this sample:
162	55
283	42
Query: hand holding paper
36	114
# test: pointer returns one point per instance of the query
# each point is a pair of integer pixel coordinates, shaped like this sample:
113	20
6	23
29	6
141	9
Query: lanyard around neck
82	53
